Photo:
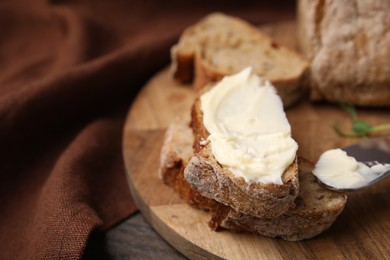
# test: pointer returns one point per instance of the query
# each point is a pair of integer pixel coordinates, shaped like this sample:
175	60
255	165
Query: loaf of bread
221	45
214	181
315	211
347	45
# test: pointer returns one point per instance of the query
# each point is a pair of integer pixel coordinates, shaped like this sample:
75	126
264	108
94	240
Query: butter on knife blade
355	166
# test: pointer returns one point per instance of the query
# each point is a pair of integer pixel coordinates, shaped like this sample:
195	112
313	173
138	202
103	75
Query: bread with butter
315	211
214	181
220	45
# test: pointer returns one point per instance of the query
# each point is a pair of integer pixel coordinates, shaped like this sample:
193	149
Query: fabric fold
69	71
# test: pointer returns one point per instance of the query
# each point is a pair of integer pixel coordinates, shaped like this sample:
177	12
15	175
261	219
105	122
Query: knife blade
372	149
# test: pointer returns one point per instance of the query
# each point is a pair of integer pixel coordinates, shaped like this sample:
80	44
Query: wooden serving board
361	231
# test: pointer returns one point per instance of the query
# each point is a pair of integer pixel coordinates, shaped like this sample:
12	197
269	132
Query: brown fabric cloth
68	73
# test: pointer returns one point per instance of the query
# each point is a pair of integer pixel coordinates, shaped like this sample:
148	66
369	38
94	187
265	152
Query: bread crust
175	154
182	65
347	44
262	200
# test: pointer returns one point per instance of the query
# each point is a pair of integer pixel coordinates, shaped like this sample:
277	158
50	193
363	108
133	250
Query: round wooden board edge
133	149
175	239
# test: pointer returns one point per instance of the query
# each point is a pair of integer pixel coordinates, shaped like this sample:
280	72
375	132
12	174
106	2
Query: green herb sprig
360	128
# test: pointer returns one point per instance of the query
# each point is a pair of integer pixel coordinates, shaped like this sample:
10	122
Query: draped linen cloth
69	71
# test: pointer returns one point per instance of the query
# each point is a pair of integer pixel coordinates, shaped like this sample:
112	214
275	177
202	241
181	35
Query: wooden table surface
119	243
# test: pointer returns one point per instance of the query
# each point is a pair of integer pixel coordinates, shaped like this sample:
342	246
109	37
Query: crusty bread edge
215	182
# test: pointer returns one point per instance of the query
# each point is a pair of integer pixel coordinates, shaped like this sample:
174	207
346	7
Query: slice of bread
214	181
316	207
221	45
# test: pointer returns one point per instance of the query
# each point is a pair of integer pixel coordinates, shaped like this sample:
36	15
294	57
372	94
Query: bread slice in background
220	45
348	46
316	207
